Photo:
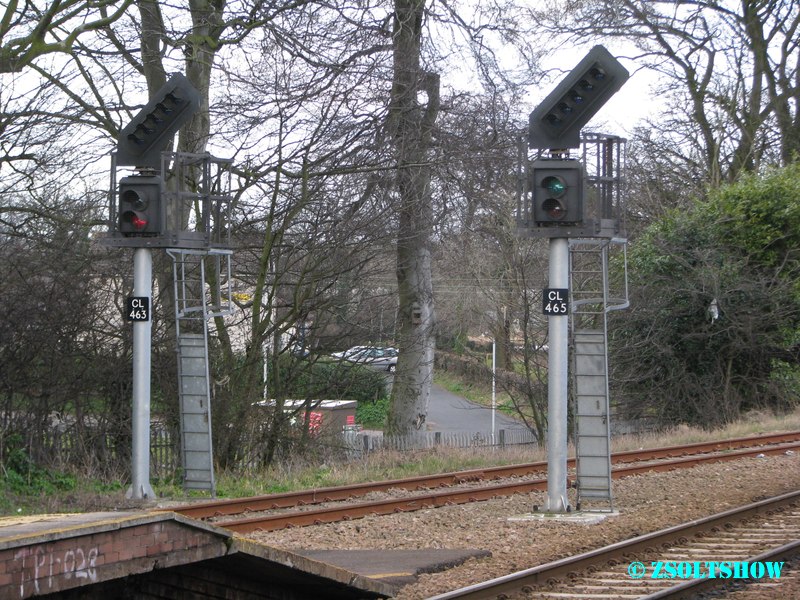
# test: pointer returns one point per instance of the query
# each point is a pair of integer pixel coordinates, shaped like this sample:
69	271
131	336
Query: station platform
159	554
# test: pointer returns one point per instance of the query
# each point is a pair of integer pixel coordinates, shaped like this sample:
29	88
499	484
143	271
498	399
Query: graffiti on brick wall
43	569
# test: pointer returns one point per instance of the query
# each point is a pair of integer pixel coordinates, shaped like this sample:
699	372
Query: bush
715	310
372	415
21	475
333	380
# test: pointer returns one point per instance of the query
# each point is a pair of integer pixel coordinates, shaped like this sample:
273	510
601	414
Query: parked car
350	352
385	358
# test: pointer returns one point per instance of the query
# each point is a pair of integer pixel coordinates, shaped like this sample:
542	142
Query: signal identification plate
138	308
555	301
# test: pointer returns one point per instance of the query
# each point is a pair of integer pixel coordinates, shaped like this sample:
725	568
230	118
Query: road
450	412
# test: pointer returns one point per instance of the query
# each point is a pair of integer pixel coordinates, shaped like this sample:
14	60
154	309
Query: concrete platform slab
395	567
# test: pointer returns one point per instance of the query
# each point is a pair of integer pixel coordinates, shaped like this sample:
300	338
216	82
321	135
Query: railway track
236	506
743	544
476	489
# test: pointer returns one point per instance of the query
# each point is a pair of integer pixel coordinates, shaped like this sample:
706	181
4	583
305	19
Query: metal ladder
195	304
591	303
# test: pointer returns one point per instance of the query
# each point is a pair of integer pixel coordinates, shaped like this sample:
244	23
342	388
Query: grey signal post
557	384
142	341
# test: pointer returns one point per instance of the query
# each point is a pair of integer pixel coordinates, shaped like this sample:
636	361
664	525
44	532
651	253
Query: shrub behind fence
350	445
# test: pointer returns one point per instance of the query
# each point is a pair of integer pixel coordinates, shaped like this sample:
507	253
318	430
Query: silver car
386	358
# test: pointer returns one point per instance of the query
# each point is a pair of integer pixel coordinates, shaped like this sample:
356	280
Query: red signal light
137	220
554	209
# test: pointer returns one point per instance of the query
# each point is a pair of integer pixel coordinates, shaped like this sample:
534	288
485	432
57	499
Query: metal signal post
557	384
142	333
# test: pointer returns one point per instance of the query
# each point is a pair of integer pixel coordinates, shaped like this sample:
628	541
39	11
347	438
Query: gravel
645	503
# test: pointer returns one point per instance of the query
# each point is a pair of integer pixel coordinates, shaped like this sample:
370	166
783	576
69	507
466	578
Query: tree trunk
411	123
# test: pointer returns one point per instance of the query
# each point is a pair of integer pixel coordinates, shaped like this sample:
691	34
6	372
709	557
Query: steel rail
534	577
690	589
235	506
350	511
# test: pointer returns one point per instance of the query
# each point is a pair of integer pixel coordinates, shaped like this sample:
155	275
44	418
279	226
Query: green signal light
555	185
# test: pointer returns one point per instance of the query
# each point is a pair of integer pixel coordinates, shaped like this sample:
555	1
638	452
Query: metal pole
142	334
494	386
557	384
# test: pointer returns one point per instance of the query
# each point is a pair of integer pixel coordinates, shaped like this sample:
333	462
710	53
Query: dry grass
94	495
754	423
396	465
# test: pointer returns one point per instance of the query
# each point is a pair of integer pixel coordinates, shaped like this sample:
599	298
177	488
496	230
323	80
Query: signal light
140	208
552	205
557	187
153	120
133	215
141	142
137	220
558	120
597	73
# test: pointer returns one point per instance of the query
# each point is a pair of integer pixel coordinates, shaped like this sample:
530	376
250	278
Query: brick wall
53	564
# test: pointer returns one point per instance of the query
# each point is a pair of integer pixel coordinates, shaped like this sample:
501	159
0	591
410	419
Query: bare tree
32	31
61	347
413	108
419	146
729	68
335	146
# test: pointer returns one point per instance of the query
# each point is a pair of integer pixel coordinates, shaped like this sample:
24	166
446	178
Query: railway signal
141	142
553	203
139	220
558	120
557	187
140	207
